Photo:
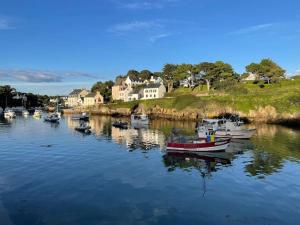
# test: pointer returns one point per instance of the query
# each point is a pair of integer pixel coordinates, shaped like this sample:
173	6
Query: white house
133	81
156	80
153	91
135	94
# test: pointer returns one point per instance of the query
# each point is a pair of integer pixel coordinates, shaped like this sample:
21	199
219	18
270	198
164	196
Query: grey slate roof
75	92
152	86
91	95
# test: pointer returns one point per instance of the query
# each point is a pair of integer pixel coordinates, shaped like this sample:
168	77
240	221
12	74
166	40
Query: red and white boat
199	145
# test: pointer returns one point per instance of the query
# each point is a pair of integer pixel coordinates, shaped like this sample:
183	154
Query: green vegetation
243	96
10	97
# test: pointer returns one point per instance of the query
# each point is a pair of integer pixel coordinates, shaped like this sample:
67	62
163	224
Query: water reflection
268	149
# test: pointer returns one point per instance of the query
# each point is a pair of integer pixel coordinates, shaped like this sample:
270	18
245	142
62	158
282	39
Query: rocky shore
266	114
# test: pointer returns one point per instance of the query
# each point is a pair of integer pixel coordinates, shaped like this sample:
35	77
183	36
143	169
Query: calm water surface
52	175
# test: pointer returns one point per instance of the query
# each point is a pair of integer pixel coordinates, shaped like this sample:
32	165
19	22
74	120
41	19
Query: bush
256	82
261	85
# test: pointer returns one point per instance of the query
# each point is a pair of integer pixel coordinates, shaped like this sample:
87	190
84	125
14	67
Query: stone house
75	98
93	99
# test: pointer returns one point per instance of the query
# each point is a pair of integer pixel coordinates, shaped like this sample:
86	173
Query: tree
267	69
133	74
6	94
104	88
168	74
215	72
146	74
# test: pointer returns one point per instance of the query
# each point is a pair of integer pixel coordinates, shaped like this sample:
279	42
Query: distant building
134	95
153	91
156	80
93	99
251	77
133	81
120	92
75	98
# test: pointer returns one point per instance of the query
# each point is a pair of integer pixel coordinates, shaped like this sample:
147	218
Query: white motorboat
9	113
25	113
224	128
37	113
139	119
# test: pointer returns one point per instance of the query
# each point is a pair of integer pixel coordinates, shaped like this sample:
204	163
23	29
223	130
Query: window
154	96
146	96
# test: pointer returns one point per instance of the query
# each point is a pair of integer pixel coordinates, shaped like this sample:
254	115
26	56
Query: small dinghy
84	128
52	119
120	124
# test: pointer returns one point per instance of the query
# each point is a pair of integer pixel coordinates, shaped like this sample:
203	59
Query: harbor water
52	175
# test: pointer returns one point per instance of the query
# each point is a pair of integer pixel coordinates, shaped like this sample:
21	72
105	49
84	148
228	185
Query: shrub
261	85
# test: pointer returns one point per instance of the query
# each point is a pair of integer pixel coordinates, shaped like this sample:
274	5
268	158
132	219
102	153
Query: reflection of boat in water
221	157
83	117
120	124
139	120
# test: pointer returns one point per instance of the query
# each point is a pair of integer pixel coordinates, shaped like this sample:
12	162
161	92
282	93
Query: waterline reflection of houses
138	138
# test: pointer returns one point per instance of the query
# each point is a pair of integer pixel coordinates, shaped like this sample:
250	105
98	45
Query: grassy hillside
285	97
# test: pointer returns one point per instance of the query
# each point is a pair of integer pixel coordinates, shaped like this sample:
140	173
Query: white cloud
40	76
252	29
134	26
159	36
144	4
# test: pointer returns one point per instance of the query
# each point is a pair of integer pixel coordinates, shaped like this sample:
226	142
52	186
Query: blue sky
52	46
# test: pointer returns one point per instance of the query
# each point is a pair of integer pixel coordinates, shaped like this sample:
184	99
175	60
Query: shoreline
288	120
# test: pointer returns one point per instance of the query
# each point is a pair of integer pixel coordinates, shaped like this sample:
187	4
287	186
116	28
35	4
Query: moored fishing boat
199	145
37	113
224	128
25	113
53	118
9	113
84	128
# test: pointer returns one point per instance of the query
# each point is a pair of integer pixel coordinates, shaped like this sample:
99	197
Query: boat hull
199	147
242	134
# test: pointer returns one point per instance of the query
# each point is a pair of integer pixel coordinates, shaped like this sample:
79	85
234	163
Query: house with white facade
156	80
133	81
153	91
